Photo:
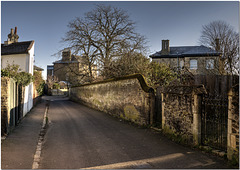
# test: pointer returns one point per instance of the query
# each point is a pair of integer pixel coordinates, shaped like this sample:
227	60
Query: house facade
197	59
22	54
70	69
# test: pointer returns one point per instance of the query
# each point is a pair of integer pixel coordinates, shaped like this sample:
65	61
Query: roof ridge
17	47
188	46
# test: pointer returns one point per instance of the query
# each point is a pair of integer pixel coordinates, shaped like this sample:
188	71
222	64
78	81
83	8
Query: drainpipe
177	62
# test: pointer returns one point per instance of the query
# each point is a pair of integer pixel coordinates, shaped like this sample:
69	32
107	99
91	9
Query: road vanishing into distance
80	137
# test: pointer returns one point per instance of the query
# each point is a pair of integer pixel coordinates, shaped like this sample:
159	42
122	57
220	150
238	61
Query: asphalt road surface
80	137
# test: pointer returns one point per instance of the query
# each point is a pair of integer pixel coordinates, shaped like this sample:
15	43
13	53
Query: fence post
196	108
233	123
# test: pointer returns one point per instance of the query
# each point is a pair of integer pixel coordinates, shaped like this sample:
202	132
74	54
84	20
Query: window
193	64
210	64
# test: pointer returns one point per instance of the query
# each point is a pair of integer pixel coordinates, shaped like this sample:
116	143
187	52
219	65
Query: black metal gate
214	121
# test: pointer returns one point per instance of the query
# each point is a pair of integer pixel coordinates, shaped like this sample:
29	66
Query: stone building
197	59
22	54
39	69
70	68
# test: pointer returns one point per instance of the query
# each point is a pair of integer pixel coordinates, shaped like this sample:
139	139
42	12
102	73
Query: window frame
191	64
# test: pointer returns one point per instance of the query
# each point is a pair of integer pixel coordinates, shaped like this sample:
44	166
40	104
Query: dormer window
193	64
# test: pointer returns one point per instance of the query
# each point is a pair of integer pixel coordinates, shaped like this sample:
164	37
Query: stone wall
233	123
181	113
185	61
127	97
201	65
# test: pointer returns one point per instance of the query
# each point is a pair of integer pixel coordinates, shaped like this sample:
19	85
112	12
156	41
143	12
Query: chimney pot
12	37
15	31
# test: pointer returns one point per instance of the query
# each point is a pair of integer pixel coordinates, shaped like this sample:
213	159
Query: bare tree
103	35
220	36
51	80
79	38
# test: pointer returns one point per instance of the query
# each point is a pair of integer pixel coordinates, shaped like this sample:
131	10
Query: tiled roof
16	48
187	51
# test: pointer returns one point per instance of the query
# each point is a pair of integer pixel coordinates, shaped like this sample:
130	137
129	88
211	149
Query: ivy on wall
13	71
38	82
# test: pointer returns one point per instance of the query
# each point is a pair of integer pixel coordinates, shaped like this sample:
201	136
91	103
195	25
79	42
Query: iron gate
214	121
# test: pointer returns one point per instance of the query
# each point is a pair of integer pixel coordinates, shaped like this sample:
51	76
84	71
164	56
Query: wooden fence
216	84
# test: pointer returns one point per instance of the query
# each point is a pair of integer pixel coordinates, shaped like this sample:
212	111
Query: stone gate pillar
233	124
197	102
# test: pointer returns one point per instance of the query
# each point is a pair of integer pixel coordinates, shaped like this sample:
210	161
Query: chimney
217	45
15	35
165	47
15	32
12	37
66	54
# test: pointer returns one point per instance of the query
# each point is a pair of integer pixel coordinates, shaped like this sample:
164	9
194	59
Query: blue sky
180	22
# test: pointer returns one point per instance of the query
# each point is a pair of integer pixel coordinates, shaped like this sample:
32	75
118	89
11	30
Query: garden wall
127	97
181	111
11	104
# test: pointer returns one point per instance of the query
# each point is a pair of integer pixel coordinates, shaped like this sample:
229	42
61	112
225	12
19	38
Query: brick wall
127	97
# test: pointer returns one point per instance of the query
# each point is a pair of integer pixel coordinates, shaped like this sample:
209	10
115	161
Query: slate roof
187	51
16	48
73	60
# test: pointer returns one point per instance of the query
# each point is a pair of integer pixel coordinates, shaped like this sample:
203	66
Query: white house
21	53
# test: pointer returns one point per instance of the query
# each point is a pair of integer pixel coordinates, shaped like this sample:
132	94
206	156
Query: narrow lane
80	137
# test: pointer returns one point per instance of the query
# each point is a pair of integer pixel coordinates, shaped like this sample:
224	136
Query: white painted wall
31	59
20	59
28	99
26	62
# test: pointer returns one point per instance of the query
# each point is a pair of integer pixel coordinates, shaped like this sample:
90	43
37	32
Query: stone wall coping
140	78
185	89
